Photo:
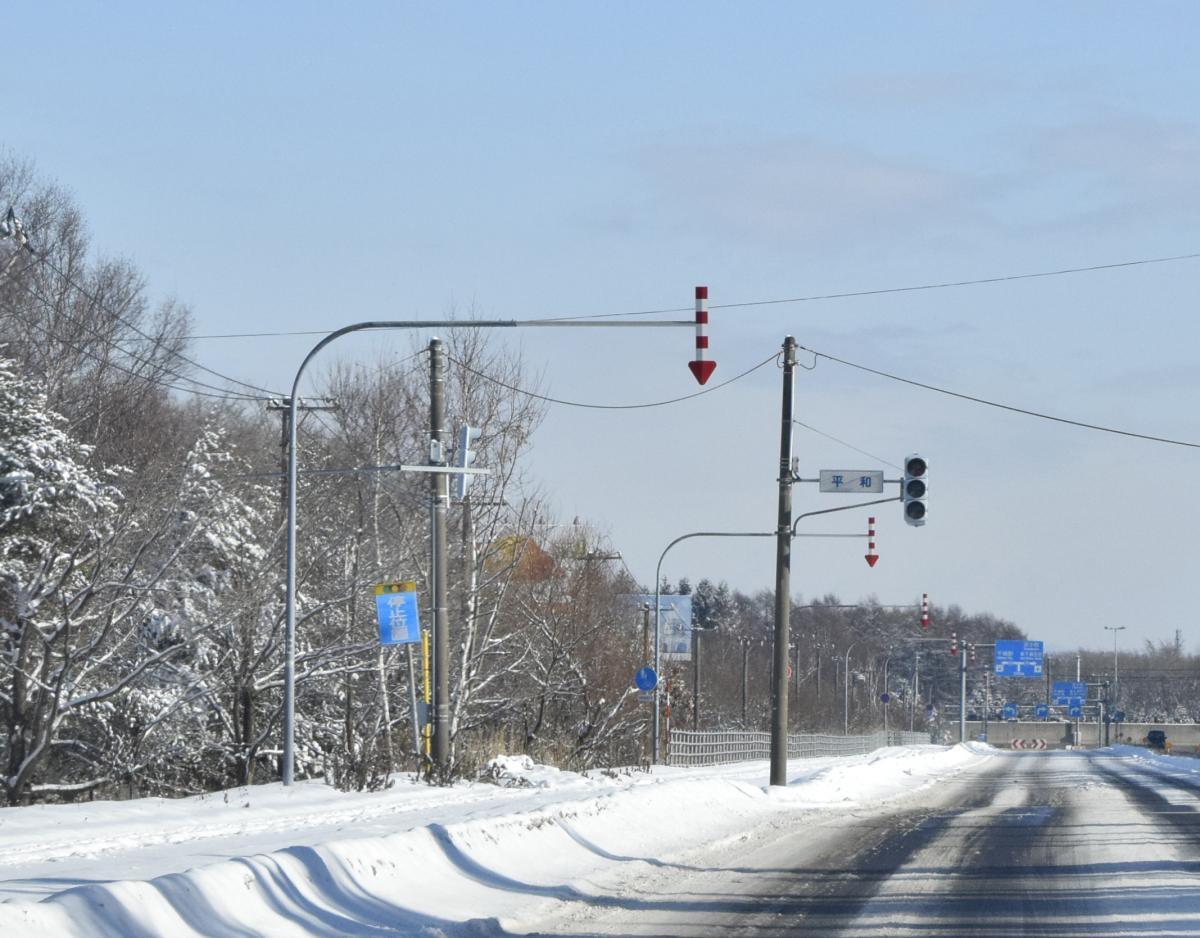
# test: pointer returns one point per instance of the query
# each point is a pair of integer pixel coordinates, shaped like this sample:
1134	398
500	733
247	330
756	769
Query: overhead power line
93	298
565	403
11	227
940	285
996	404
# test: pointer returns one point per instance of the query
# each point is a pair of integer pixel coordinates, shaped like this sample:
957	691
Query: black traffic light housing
914	489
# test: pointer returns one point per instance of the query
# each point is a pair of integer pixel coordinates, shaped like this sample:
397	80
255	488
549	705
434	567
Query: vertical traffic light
925	611
914	490
463	459
953	643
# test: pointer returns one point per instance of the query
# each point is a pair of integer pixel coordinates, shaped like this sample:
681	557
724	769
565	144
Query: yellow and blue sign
396	610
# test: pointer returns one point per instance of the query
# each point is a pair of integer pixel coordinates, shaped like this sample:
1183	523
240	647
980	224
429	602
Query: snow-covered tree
55	519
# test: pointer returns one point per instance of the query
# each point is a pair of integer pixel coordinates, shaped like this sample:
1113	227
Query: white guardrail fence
688	747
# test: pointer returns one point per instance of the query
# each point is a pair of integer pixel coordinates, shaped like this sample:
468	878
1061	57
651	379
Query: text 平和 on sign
861	481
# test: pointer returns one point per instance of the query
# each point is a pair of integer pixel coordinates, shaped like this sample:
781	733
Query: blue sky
293	166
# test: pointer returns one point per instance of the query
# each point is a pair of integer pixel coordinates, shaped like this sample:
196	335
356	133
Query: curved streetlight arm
289	637
657	600
289	668
829	511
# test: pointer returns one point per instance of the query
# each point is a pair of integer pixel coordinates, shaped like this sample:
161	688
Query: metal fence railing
688	747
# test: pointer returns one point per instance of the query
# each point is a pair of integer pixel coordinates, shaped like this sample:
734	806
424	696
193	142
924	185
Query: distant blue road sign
1041	711
646	679
1010	711
1064	692
1075	710
885	697
396	611
1018	659
1119	716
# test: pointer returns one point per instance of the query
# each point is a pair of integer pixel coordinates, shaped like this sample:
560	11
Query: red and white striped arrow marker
925	610
701	367
871	555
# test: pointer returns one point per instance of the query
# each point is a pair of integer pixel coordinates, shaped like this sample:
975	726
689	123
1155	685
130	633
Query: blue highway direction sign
1067	693
1041	711
1018	659
1010	711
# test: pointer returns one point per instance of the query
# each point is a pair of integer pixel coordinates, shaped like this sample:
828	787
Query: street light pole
654	722
1116	683
289	637
846	689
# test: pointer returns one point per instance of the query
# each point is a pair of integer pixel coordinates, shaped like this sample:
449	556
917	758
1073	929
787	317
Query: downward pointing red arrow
871	558
702	369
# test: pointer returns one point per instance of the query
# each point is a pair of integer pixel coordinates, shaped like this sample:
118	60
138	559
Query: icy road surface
1058	843
921	840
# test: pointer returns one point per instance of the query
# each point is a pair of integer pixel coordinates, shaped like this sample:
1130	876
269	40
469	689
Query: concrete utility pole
962	693
440	491
783	575
284	406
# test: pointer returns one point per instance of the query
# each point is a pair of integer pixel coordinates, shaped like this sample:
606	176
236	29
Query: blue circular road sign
646	679
885	697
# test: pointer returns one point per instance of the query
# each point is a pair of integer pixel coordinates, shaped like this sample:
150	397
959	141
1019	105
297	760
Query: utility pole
962	693
440	492
284	406
745	675
696	678
783	573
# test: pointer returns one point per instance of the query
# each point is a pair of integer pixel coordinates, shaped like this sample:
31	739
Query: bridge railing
690	747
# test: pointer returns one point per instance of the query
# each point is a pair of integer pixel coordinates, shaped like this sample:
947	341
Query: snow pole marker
871	555
701	367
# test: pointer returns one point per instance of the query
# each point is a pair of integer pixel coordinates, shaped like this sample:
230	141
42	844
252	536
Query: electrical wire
87	353
555	400
223	393
93	298
942	285
1008	407
828	436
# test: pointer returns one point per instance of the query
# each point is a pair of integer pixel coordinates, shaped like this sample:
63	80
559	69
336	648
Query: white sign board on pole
855	481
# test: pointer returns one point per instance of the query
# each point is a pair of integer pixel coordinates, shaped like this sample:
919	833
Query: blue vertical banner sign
674	621
396	609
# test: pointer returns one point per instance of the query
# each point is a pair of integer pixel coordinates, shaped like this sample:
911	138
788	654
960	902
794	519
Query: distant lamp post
1115	629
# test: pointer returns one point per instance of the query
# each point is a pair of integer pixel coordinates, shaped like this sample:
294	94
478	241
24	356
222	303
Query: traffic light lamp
914	490
953	643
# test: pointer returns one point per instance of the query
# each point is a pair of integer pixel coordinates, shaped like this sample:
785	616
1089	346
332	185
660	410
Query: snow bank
457	877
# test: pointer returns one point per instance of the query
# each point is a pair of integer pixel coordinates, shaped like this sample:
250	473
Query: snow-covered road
1065	844
922	840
